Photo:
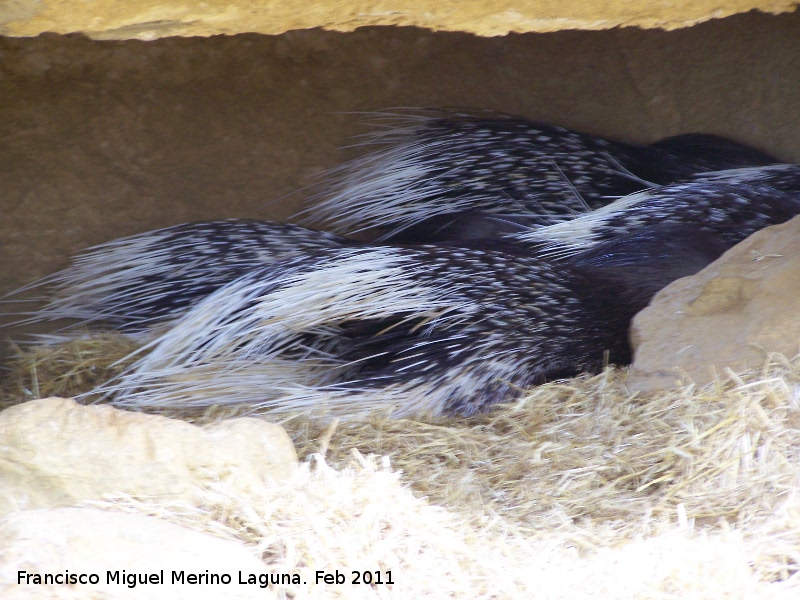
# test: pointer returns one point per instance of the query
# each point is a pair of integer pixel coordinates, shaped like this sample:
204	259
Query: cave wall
100	139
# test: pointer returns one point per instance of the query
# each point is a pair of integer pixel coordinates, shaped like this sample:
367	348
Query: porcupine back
782	177
134	282
432	329
731	205
430	167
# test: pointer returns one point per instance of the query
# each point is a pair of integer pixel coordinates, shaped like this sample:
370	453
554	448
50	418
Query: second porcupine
430	166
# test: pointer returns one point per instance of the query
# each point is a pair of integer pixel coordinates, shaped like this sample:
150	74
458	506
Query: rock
733	314
90	541
147	20
56	452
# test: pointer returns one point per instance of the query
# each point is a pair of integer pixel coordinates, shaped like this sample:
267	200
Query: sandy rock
733	314
90	541
150	19
56	452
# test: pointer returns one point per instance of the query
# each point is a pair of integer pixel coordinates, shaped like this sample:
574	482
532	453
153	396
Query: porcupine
438	175
134	282
438	328
426	329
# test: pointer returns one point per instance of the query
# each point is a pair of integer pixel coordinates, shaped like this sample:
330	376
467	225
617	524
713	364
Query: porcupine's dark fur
431	168
135	282
431	329
701	152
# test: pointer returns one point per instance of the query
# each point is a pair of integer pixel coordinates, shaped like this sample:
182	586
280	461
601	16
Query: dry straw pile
580	490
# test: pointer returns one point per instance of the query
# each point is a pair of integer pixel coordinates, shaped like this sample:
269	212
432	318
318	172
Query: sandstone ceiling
151	19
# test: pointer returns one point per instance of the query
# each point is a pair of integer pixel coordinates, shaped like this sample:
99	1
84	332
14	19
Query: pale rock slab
733	314
56	452
151	19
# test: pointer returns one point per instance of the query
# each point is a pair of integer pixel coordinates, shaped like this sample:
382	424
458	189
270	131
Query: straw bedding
579	490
